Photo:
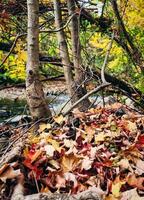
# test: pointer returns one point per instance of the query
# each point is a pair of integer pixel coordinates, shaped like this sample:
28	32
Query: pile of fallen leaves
102	148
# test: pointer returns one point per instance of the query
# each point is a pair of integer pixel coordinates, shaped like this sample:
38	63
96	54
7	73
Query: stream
12	108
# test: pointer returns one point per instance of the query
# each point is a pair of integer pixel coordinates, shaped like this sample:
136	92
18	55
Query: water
10	108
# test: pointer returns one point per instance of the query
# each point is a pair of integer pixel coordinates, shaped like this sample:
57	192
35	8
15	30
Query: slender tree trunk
64	54
76	49
35	95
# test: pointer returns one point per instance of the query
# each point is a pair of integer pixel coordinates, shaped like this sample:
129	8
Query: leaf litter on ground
102	148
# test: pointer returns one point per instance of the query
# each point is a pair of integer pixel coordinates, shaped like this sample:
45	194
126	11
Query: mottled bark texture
35	95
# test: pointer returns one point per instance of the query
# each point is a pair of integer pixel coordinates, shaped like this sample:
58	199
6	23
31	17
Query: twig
106	59
59	29
12	48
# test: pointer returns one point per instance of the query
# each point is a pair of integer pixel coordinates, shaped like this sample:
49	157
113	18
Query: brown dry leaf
44	189
9	173
124	163
90	132
78	114
55	164
133	181
132	152
69	163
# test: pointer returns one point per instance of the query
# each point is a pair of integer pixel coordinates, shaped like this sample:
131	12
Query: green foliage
94	41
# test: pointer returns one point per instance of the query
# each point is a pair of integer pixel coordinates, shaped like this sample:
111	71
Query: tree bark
34	92
64	54
76	49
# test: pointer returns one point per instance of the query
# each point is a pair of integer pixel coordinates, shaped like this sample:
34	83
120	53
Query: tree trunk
135	53
76	49
64	54
35	95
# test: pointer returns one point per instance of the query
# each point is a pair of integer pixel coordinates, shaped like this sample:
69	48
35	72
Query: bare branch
106	59
97	89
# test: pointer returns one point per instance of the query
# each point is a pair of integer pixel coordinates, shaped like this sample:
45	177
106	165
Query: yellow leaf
43	126
100	137
90	131
111	197
59	119
116	189
34	140
132	126
54	143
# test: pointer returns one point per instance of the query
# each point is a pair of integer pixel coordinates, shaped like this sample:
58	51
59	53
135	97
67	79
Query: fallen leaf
116	189
3	168
139	167
71	177
100	137
55	164
124	163
69	163
36	155
60	181
134	181
86	163
49	150
59	119
44	126
131	126
131	195
9	173
54	143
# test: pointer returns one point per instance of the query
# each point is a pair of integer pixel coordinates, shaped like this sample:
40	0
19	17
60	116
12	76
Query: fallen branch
97	89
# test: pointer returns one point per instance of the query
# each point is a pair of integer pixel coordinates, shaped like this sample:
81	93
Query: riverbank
53	87
50	87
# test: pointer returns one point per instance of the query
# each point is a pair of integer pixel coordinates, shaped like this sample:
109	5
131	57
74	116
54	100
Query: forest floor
98	154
